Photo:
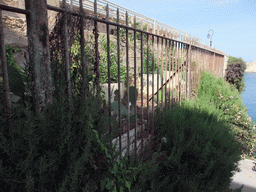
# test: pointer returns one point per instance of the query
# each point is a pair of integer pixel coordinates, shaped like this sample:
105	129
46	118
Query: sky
233	22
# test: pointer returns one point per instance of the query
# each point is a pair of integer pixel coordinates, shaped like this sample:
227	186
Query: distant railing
101	4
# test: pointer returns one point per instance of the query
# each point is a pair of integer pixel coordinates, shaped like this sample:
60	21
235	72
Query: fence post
66	52
223	67
6	90
39	53
188	83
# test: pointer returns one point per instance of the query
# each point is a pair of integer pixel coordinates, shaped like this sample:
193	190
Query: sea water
249	94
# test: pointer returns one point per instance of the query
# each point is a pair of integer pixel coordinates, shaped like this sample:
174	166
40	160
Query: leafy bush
113	63
15	77
76	67
200	152
58	153
228	100
235	72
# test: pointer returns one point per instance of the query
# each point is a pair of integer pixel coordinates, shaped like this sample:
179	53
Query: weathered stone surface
15	31
251	67
15	28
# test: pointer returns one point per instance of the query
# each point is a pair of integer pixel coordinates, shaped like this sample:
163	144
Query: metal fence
160	68
101	9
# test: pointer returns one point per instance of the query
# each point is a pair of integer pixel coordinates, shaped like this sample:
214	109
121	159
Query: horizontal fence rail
150	68
101	9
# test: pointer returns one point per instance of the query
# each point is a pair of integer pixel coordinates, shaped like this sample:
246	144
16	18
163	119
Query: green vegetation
15	76
58	153
198	144
227	100
103	67
204	140
68	150
235	72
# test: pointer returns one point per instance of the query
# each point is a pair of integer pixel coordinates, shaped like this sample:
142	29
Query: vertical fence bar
147	78
71	5
153	78
6	89
118	63
82	43
162	63
186	68
173	70
135	75
183	70
39	58
166	62
223	65
170	73
96	65
181	67
141	27
109	78
127	77
181	74
66	52
157	67
178	71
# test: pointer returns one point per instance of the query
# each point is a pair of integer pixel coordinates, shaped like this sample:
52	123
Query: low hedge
200	153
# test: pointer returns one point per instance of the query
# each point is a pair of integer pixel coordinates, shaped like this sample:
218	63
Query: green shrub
15	77
227	99
200	152
235	72
58	153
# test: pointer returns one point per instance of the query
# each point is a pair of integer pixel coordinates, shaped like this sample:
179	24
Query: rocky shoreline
251	67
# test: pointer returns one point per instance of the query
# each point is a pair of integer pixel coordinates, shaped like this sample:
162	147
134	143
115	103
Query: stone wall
225	65
15	28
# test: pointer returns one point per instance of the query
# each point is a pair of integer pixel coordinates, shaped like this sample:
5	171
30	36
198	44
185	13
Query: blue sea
249	94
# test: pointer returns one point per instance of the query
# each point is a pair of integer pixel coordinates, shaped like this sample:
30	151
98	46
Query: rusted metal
176	68
153	75
179	72
83	59
170	78
141	53
147	81
6	89
13	9
172	65
127	79
178	49
96	49
135	75
66	59
169	69
39	59
162	63
157	67
108	58
166	61
119	87
181	86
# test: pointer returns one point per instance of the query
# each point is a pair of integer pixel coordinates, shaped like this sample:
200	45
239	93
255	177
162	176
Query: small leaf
128	184
123	109
103	184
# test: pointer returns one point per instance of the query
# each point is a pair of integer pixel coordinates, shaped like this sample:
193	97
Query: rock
251	67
